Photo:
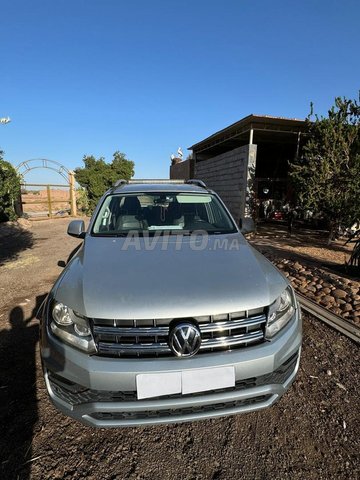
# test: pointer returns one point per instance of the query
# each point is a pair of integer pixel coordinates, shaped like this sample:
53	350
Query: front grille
178	412
75	394
149	338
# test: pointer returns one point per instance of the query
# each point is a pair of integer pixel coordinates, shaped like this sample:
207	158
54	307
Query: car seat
130	217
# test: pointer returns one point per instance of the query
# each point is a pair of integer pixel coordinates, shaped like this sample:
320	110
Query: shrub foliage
327	175
9	190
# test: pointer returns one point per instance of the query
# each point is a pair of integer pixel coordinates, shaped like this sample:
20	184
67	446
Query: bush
82	201
327	176
9	190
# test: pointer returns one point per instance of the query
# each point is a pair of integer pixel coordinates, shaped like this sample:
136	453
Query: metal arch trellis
63	171
68	175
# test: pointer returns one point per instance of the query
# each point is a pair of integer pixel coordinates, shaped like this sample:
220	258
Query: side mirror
247	225
76	229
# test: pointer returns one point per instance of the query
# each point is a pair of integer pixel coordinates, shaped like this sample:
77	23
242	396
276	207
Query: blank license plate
188	381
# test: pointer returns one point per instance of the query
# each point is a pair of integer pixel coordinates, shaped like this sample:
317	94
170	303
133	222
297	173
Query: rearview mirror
247	225
76	229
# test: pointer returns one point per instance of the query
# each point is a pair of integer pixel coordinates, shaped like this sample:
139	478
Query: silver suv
166	313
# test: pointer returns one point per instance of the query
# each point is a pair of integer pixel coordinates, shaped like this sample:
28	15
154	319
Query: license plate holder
150	385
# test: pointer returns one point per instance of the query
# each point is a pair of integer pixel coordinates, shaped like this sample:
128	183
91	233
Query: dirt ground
309	246
312	433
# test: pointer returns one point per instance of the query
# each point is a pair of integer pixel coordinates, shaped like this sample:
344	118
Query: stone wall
230	175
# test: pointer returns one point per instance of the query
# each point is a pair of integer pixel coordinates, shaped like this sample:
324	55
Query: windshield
162	212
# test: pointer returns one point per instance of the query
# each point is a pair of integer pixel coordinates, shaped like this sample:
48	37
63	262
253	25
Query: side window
104	217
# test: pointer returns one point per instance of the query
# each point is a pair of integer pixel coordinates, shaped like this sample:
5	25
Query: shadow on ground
275	240
18	400
299	237
13	240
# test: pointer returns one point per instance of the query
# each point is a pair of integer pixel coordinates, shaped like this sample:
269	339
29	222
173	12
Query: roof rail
164	181
151	180
194	181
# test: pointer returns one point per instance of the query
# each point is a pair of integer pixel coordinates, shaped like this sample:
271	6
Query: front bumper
102	391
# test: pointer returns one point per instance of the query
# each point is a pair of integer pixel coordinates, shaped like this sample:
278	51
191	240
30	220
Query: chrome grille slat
134	348
231	340
232	324
145	338
132	331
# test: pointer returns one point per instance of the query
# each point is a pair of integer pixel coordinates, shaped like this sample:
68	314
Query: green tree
9	190
97	175
326	176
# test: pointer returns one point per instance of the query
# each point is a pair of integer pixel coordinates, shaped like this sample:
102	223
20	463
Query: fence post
73	211
49	200
19	210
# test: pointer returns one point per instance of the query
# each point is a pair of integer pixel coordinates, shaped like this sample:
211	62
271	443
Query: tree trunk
332	232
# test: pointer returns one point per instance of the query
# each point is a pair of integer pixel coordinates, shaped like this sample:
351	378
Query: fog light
81	330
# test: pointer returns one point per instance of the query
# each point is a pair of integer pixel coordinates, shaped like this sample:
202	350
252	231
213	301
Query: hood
169	278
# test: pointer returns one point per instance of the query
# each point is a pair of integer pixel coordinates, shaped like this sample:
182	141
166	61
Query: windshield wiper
220	232
108	235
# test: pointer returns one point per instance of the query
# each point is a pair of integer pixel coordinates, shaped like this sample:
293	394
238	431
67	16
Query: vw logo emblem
185	339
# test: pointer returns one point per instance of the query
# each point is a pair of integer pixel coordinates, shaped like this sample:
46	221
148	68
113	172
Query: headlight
280	312
61	314
71	327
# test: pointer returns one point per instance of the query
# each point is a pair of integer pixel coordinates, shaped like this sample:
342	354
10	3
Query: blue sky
145	77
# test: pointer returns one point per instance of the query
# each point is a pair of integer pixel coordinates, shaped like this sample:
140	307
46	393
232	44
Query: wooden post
49	200
251	137
73	211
